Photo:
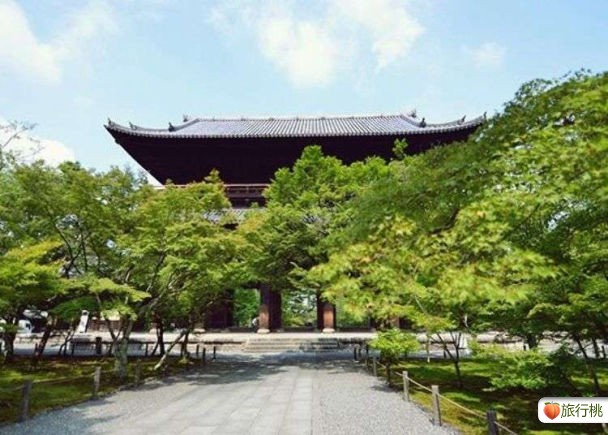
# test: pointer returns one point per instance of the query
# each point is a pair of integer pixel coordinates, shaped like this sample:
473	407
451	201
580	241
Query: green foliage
507	230
394	344
299	309
27	279
399	149
532	370
246	306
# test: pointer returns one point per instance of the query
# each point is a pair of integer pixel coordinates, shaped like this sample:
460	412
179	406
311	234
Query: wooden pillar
319	312
326	315
329	318
264	320
270	314
276	311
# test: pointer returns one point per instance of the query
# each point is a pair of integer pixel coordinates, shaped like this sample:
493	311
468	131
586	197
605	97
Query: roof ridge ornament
132	126
171	127
110	123
186	118
412	114
422	122
461	120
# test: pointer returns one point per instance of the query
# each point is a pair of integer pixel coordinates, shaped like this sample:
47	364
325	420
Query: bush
532	370
394	344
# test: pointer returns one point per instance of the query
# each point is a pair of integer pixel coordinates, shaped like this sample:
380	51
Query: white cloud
29	148
392	28
20	50
304	50
487	55
313	42
24	53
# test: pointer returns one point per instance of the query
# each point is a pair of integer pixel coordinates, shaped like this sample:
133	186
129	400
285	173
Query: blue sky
69	65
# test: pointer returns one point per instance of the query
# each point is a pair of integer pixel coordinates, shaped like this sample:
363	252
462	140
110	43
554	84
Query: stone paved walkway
281	394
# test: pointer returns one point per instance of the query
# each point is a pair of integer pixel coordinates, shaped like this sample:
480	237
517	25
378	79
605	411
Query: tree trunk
43	341
122	348
64	346
457	365
590	368
162	360
596	349
455	357
160	337
532	341
184	351
121	358
9	344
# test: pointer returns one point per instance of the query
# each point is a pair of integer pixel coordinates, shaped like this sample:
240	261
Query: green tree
469	236
305	204
28	280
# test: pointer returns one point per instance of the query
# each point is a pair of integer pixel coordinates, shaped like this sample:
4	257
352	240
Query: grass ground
60	382
516	409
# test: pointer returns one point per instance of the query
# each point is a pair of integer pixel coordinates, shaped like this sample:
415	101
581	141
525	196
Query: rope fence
494	426
25	397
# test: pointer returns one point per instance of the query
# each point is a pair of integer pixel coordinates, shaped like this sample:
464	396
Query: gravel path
280	394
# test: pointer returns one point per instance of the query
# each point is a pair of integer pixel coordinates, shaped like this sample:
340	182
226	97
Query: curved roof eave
176	131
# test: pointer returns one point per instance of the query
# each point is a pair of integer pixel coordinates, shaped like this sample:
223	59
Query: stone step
279	346
273	344
291	342
275	350
290	347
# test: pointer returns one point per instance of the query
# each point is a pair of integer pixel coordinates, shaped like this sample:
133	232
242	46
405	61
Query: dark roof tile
297	126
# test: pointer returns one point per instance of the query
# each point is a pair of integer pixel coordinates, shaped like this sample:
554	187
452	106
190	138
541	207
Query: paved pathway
281	394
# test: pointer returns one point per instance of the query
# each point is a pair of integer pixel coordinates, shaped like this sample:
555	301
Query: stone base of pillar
263	331
328	330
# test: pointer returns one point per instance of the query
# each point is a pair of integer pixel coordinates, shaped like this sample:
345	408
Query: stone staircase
270	344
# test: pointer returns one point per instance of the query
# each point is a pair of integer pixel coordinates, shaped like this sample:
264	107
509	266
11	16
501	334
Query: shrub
394	344
532	370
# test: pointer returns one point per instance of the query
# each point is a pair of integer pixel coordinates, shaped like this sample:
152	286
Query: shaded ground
282	394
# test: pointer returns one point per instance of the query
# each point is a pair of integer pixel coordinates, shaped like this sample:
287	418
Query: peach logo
551	410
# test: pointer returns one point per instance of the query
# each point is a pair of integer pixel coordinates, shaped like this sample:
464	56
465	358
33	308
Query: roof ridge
301	126
297	117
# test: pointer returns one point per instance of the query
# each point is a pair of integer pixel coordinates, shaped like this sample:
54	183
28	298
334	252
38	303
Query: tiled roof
374	125
238	214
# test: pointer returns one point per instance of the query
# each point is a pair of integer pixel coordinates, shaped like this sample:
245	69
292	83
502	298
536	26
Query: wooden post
406	386
367	362
137	372
204	356
388	374
214	349
96	382
492	427
436	409
603	350
198	349
25	401
98	346
73	347
366	350
146	354
374	365
360	351
355	353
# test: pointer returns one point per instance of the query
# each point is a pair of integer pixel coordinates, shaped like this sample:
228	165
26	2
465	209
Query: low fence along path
288	394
